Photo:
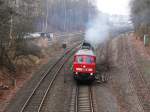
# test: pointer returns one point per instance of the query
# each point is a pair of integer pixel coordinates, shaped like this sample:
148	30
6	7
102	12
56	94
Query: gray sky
114	6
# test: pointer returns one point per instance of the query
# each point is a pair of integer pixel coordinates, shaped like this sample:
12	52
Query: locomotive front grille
84	75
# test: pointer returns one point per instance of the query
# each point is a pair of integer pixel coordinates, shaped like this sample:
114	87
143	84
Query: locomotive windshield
89	60
85	59
80	59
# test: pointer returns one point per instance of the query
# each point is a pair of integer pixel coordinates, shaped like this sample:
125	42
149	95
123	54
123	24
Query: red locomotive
84	65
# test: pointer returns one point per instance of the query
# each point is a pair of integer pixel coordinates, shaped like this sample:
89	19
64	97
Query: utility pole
47	14
11	27
89	9
65	14
64	46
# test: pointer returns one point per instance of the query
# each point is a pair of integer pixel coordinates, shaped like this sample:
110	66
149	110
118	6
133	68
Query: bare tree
140	11
19	17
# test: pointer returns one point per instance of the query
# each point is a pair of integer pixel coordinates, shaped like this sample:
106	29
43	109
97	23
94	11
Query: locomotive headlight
76	73
91	73
90	69
79	69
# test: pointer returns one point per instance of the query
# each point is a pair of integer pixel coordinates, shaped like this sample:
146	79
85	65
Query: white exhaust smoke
97	30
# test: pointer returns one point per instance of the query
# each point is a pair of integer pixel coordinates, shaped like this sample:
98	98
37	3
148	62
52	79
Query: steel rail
132	85
76	99
50	85
86	102
44	76
91	99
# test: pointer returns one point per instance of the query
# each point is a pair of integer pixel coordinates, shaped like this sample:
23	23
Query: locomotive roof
85	52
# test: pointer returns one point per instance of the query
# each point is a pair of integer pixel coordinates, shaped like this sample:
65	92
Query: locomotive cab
86	45
84	65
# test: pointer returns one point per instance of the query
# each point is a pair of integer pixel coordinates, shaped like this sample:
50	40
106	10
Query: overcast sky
114	6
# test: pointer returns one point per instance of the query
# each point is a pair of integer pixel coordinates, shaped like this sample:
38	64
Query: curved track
39	93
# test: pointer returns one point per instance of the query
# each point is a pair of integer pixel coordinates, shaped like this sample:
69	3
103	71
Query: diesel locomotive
84	63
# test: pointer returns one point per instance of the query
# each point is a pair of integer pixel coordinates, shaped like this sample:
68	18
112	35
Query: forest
19	17
140	11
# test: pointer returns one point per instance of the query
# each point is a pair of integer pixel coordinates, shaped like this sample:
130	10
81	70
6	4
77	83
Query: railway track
137	82
36	99
82	99
142	89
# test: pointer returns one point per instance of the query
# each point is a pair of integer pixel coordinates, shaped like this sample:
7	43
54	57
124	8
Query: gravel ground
59	97
143	58
16	102
20	97
120	93
55	99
